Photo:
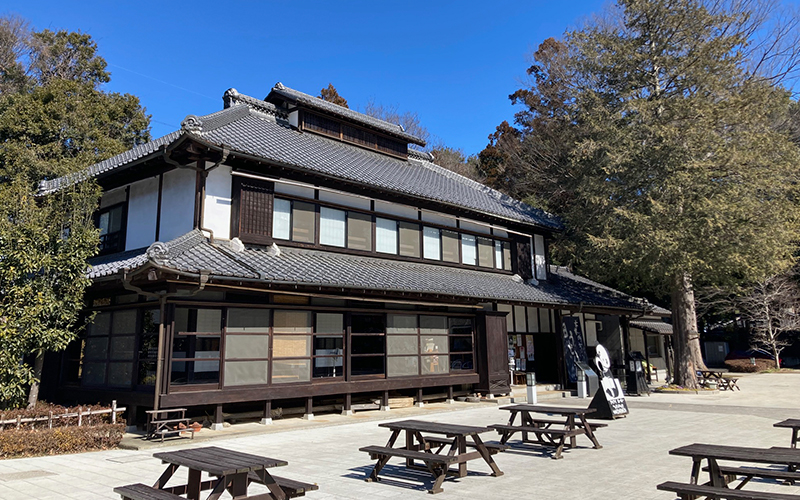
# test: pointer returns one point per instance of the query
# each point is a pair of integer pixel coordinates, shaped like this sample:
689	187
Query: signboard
609	401
529	344
574	347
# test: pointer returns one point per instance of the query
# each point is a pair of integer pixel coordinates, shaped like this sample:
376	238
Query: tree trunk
38	364
684	328
777	357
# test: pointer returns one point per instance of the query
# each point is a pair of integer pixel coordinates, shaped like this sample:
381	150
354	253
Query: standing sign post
609	401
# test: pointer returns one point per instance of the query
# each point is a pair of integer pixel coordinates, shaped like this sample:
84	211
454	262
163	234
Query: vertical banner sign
609	402
574	348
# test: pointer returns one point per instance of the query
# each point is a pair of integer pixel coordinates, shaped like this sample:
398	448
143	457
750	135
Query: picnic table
793	424
549	431
230	471
446	447
721	475
724	381
168	421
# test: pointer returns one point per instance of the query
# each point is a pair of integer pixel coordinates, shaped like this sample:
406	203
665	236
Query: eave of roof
652	326
192	254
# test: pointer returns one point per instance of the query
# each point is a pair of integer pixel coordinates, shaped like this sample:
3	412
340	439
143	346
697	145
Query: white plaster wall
344	200
395	209
303	192
142	211
438	219
478	228
177	203
112	197
217	212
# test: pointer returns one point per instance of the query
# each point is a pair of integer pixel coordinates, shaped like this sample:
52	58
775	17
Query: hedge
745	366
15	443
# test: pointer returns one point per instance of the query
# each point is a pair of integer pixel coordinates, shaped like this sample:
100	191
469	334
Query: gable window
111	222
468	249
331	227
385	236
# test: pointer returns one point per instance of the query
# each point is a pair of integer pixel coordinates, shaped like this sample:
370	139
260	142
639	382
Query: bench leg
587	428
560	447
373	477
487	456
439	473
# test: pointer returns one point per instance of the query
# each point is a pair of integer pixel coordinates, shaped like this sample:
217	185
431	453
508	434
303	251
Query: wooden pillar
309	409
347	407
420	403
491	349
647	358
385	401
218	420
266	419
450	398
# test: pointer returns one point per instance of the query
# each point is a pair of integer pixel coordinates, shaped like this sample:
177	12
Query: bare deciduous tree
772	308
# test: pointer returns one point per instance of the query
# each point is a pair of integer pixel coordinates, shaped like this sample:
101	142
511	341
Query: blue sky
454	63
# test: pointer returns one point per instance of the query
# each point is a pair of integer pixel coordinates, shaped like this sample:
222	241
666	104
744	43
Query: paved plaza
633	460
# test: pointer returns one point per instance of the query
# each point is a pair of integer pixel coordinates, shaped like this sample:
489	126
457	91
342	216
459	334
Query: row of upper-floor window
295	220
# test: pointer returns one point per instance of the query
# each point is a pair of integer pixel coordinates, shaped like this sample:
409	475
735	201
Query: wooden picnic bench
229	471
719	476
437	453
548	431
794	425
690	491
165	422
723	381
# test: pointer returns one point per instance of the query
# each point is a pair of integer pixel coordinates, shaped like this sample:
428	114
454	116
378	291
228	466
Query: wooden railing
80	414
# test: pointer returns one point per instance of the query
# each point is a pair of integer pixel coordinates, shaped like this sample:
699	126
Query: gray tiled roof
115	162
652	326
256	128
322	105
193	253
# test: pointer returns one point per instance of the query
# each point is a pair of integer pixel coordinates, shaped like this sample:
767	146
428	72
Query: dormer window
111	222
345	132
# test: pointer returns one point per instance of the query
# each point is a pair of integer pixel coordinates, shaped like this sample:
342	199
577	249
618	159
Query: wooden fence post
114	411
19	420
80	416
50	420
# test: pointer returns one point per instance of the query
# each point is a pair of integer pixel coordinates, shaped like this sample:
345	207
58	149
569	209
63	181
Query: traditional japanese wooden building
292	249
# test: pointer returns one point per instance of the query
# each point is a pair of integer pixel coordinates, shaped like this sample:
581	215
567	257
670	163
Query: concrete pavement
633	460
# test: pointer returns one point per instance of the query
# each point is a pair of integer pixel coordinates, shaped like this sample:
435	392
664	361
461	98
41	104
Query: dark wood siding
252	210
492	349
521	258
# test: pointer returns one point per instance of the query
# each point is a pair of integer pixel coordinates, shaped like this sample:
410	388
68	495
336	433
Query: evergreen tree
54	120
675	168
331	95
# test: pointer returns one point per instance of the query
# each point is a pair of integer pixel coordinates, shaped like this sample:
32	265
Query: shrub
16	443
745	366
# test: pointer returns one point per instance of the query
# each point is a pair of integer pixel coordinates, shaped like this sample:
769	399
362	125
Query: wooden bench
437	464
292	488
690	491
493	448
143	492
732	473
545	421
161	427
555	437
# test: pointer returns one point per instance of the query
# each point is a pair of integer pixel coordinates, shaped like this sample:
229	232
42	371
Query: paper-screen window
385	236
431	243
331	227
282	219
468	249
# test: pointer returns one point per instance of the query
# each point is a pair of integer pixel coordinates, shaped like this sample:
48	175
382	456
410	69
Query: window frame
123	228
